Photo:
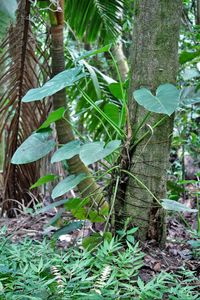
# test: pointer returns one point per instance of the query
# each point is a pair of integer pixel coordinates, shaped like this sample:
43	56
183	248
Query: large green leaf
53	117
57	83
165	101
176	206
93	152
34	147
67	184
66	152
89	153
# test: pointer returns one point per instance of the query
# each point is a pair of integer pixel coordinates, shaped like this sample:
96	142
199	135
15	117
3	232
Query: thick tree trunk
154	61
88	187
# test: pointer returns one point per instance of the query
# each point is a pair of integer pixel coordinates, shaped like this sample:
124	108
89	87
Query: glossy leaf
34	147
66	152
53	117
57	83
93	152
43	180
67	184
176	206
165	101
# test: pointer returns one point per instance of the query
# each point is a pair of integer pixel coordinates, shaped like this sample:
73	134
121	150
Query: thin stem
112	203
148	131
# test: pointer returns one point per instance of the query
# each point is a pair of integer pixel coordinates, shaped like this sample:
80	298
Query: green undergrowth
37	271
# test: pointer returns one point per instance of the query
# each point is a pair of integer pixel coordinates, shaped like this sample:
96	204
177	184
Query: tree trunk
88	187
154	62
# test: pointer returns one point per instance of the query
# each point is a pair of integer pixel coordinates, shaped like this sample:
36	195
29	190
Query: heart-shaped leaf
57	83
93	152
176	206
66	152
34	147
67	184
165	101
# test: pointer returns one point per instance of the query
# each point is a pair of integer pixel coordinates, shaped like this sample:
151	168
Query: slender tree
65	134
154	61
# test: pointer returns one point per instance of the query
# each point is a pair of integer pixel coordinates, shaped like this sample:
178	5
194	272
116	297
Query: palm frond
91	18
25	65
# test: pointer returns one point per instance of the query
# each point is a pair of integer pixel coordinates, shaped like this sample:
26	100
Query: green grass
38	271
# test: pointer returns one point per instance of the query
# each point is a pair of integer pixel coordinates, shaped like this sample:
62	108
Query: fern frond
56	273
103	278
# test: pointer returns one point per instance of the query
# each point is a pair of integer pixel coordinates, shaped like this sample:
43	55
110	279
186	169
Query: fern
56	273
103	278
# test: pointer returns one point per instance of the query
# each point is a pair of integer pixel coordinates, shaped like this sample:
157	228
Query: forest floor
178	253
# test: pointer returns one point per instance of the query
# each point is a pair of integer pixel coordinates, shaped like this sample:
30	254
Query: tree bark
154	62
88	187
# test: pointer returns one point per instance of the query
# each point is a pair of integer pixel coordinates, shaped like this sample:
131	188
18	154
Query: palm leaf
23	65
91	18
